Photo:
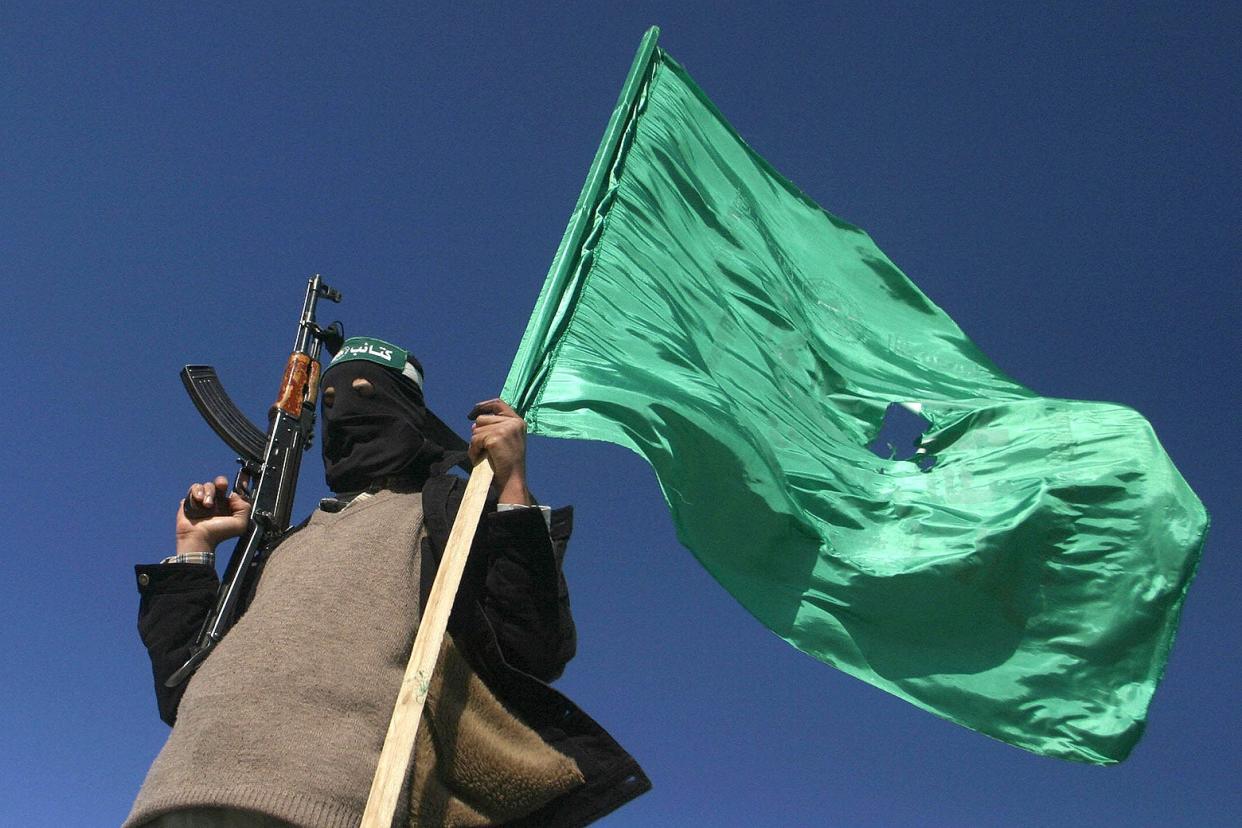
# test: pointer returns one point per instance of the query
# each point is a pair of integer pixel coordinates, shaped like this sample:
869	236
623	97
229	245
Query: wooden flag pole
394	762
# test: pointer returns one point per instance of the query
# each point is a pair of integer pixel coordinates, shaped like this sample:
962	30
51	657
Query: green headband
378	351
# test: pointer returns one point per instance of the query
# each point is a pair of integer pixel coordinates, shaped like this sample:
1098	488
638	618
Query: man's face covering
373	429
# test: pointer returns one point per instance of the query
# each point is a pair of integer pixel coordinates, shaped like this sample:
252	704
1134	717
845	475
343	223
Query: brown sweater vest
288	715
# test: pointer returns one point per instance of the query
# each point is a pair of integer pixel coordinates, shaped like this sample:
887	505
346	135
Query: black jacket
511	618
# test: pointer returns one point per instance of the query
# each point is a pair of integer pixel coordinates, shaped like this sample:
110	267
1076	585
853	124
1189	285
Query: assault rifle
270	461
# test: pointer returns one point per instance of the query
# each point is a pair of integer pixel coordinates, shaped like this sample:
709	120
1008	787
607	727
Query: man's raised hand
209	514
501	433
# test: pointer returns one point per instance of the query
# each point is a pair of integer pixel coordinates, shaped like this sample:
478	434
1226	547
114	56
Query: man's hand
208	514
499	432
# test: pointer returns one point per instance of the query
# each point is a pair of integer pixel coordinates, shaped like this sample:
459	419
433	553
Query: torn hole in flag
901	435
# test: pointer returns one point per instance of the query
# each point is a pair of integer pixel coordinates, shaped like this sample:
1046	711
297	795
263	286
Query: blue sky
1062	180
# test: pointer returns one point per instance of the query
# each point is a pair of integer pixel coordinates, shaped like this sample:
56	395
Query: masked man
284	722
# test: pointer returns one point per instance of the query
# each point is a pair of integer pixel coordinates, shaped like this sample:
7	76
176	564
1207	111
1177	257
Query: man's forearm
175	598
516	492
524	594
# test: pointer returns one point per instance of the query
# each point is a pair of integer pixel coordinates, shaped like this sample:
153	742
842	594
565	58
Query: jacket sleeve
524	594
174	600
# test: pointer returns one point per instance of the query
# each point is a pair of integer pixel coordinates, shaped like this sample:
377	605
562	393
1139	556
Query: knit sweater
288	715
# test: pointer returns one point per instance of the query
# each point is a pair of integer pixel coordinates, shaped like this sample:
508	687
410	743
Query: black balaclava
366	439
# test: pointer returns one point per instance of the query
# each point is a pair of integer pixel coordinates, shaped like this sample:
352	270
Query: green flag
1023	579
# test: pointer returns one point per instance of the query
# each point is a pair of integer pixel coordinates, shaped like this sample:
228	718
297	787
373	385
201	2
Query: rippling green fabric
715	320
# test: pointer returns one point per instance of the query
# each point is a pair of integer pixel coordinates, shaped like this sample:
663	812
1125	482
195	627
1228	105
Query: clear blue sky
1062	178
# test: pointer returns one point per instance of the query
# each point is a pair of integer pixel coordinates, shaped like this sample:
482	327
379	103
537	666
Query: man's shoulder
442	495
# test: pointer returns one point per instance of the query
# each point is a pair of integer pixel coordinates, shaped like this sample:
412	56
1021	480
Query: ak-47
270	462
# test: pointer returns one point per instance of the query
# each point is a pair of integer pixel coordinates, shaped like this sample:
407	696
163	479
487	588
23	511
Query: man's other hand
209	514
499	432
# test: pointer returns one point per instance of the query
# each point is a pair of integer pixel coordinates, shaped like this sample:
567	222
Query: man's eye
329	394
